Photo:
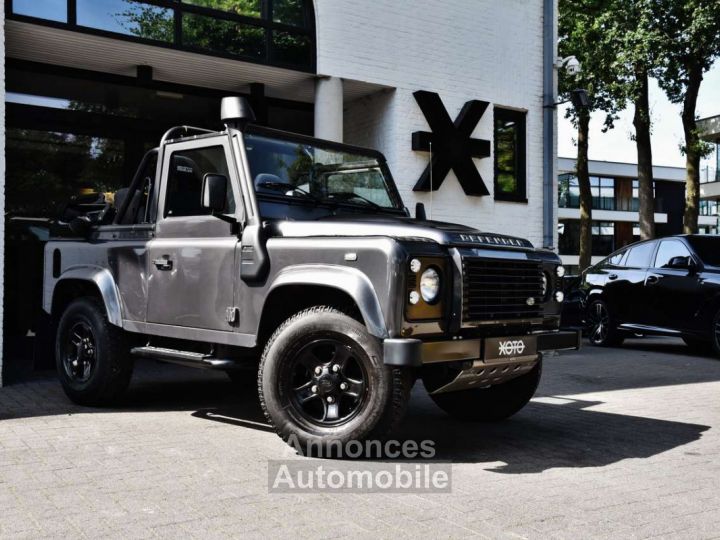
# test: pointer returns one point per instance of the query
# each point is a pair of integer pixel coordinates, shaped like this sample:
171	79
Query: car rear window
707	248
639	256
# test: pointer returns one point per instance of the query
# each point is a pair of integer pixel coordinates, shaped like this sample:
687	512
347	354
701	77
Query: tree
690	42
631	30
581	29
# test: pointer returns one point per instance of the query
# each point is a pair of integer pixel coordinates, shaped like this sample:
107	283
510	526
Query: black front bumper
415	353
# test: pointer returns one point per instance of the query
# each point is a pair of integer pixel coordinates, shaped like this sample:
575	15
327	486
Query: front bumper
415	353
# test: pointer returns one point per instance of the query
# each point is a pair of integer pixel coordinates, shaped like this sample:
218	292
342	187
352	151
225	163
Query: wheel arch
347	289
85	281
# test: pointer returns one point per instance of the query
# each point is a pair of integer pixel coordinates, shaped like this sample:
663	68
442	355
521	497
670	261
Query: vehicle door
673	286
625	290
192	267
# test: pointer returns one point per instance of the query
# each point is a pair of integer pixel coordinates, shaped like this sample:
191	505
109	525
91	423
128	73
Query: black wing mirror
214	192
681	263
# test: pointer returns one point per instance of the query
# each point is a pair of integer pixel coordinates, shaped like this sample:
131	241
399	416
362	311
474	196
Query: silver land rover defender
296	256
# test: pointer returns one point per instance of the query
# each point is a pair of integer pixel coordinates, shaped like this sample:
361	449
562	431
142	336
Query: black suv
669	287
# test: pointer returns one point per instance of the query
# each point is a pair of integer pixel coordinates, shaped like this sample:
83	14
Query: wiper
286	186
350	196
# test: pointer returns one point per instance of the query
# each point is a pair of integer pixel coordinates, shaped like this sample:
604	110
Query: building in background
90	85
615	207
710	176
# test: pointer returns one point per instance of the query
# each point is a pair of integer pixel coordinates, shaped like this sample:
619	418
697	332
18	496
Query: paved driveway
618	443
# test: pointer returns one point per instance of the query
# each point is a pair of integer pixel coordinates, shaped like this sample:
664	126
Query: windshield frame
322	144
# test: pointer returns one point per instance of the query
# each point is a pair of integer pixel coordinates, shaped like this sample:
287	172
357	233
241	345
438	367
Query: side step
185	358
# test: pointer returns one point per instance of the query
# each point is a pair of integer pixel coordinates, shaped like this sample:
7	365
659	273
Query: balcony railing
617	205
278	33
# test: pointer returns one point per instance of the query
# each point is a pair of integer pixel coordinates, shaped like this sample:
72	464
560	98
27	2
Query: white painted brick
462	49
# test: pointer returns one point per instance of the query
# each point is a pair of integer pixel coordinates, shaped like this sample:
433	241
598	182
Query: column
329	108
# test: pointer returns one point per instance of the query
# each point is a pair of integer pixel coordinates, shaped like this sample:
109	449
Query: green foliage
688	39
583	28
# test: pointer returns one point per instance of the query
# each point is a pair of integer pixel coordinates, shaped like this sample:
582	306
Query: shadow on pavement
559	432
548	433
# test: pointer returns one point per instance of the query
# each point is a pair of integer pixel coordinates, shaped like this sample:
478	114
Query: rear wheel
91	355
699	346
715	337
489	404
322	382
601	325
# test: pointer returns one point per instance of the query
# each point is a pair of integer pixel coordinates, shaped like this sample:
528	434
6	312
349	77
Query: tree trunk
692	152
585	193
641	121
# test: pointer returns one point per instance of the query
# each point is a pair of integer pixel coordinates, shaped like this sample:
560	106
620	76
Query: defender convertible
295	256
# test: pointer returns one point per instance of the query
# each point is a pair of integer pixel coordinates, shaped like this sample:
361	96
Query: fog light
560	271
559	296
415	265
414	297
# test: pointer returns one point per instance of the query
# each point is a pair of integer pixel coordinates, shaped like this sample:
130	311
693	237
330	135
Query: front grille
498	289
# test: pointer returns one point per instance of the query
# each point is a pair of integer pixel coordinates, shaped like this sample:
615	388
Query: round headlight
414	297
545	284
430	285
415	266
559	296
560	270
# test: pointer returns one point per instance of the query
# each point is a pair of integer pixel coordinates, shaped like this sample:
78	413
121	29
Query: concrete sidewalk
619	443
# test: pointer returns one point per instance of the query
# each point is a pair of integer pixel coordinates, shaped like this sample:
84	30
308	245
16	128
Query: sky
667	132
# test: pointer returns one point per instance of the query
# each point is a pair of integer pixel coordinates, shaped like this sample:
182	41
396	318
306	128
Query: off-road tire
489	404
112	370
609	335
384	404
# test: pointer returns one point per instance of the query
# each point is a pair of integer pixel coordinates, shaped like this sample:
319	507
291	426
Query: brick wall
461	49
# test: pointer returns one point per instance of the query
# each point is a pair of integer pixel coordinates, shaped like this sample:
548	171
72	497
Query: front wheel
601	325
322	382
91	355
488	404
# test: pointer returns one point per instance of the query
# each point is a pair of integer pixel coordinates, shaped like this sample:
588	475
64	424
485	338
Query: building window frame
519	194
178	9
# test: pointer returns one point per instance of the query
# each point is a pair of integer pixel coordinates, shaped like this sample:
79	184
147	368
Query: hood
400	227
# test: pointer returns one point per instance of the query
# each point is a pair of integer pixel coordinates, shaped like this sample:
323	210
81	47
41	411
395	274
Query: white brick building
91	84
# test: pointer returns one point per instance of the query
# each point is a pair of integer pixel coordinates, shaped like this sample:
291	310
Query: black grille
500	288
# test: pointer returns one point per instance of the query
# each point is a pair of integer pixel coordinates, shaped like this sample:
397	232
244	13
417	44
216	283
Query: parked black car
669	286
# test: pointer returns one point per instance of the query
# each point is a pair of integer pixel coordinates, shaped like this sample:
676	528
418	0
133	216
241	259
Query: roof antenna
431	181
236	112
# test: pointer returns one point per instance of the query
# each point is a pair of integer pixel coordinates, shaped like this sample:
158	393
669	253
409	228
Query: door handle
651	280
163	264
612	277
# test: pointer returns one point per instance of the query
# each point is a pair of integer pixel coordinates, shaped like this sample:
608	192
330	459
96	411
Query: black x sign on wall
452	144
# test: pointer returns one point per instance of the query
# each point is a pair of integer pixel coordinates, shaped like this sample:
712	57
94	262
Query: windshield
312	174
707	248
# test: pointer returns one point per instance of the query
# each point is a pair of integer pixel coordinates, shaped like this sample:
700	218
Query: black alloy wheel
327	382
601	327
598	323
79	353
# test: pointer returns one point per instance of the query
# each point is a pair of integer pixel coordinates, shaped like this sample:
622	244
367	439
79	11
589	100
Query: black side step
185	358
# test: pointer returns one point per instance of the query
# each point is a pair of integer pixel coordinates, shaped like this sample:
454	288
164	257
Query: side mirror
681	263
420	211
214	192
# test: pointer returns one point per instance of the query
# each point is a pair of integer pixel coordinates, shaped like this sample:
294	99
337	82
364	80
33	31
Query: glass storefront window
289	12
708	208
127	17
51	10
247	8
290	48
278	32
223	36
45	169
